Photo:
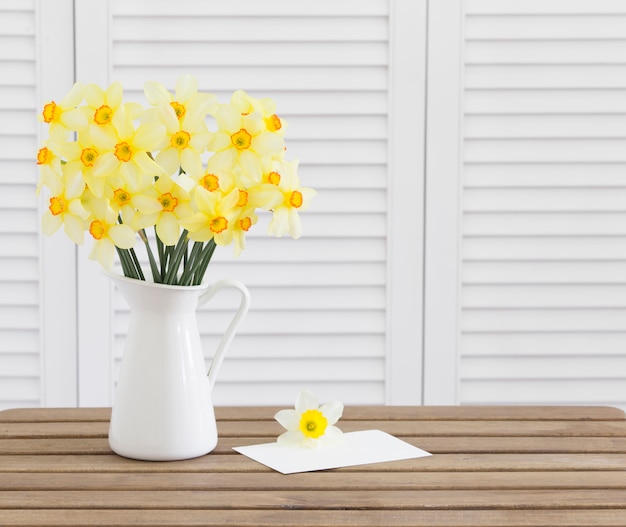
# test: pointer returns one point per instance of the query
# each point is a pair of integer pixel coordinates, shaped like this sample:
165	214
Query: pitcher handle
234	324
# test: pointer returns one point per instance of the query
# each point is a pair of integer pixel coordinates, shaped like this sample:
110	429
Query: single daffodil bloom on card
310	424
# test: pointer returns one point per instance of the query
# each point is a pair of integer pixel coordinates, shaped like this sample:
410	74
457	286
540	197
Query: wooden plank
400	428
324	480
475	413
433	444
21	415
154	518
391	500
234	463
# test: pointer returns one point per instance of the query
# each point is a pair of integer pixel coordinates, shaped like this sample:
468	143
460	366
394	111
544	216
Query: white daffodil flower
310	424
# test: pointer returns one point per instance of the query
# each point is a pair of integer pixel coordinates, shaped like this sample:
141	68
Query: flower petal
289	419
148	136
169	160
74	119
114	94
332	434
332	411
186	86
74	228
156	93
290	438
168	229
191	163
306	400
122	236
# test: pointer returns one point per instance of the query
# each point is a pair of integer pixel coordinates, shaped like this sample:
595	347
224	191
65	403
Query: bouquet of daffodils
130	168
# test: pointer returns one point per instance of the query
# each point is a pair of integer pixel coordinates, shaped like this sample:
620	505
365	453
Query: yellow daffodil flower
267	107
167	209
124	149
101	105
244	141
186	101
310	424
214	217
49	159
240	227
65	206
286	218
107	233
184	144
65	115
82	156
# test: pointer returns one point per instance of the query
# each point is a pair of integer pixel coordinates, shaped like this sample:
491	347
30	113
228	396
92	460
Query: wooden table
506	466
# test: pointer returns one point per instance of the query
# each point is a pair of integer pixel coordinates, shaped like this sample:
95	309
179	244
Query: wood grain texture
506	466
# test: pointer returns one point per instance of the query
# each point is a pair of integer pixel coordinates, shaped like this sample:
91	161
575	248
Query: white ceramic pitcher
163	408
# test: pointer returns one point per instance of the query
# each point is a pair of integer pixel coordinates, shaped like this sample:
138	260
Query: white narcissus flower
310	424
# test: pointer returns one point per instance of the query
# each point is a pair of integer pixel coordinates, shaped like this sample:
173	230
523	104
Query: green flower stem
161	253
136	264
175	257
156	276
130	265
205	258
189	265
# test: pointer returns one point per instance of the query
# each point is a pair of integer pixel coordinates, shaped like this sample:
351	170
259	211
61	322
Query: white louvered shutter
543	265
37	286
318	317
19	251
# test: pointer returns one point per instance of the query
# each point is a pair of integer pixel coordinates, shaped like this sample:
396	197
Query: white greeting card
355	448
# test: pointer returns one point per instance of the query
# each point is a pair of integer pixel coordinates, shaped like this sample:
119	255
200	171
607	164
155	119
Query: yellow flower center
180	140
103	115
210	182
121	197
57	205
243	198
179	109
51	112
168	202
218	224
97	229
88	156
245	224
313	423
123	152
295	199
273	178
44	156
273	123
241	139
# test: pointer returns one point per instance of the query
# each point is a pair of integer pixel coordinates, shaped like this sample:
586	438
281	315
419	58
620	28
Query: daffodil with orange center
186	139
49	159
185	100
64	115
124	149
285	217
107	233
244	141
165	209
65	206
215	216
101	105
266	107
